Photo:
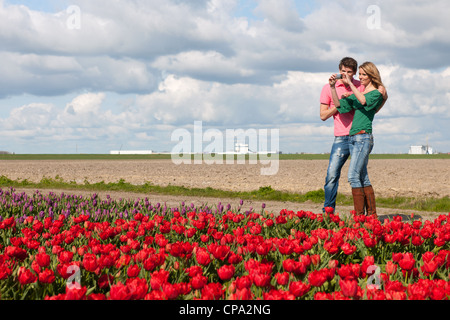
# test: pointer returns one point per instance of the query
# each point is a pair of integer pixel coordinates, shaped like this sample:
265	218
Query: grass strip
265	193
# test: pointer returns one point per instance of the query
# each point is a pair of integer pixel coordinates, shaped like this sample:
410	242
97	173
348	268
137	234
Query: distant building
5	152
420	150
241	148
131	152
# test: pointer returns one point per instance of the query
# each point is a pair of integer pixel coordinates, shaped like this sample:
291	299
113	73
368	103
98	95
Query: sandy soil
413	178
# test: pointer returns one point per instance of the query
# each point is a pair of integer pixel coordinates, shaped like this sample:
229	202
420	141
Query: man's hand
332	81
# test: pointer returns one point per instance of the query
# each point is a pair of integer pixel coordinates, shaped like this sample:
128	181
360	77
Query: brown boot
370	199
358	200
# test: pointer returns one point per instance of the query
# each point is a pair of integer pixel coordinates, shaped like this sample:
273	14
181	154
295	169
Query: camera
339	76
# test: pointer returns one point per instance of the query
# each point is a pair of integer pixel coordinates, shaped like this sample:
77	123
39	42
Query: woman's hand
383	92
346	79
346	95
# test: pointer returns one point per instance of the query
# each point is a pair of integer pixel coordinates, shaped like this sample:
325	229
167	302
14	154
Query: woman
365	104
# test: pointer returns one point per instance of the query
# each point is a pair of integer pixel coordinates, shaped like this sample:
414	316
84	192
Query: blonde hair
373	73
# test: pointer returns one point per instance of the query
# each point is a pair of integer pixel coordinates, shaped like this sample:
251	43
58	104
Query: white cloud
281	13
180	61
29	116
204	65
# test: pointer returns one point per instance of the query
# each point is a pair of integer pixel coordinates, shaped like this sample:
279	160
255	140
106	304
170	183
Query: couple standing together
353	105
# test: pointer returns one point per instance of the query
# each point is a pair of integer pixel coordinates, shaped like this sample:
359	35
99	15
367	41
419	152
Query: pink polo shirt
342	122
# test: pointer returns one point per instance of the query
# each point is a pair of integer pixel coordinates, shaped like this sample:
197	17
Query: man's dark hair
348	63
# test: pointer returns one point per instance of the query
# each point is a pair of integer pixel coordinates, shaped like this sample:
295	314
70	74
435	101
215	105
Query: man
340	150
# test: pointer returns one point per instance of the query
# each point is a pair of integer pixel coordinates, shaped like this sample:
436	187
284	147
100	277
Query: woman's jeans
340	152
360	147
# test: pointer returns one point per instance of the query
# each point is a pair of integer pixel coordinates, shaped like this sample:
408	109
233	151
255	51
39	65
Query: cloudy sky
90	76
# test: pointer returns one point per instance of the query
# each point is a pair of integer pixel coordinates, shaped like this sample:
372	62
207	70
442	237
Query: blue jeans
361	146
340	152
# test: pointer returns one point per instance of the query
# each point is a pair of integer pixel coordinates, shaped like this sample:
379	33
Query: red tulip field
66	247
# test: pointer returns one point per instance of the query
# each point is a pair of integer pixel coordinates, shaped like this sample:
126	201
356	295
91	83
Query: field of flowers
66	247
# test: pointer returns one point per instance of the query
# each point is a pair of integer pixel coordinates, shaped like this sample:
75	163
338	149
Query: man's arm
325	112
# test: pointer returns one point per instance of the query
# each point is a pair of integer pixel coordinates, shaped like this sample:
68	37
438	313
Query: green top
363	114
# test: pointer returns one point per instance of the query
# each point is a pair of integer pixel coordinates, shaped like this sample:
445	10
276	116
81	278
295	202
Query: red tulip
43	260
133	271
120	291
391	267
407	262
438	293
317	277
137	287
315	259
194	270
75	293
348	249
198	281
298	288
261	279
226	272
65	256
323	296
243	282
203	257
25	276
90	262
350	271
212	291
429	267
349	287
170	291
282	278
96	296
5	272
289	265
417	241
241	294
158	278
47	276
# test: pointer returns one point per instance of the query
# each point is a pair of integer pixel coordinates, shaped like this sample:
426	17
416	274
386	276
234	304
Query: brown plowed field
412	178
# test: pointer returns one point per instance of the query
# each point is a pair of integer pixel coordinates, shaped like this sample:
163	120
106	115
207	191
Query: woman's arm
358	94
385	96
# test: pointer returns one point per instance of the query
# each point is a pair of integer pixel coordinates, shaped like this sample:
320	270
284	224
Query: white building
420	150
131	152
241	148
